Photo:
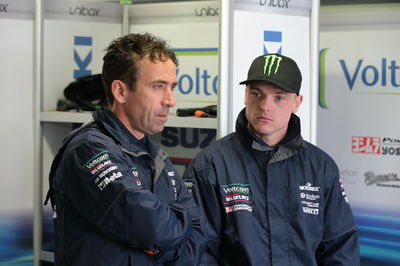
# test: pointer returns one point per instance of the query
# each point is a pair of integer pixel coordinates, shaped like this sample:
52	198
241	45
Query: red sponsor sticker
368	145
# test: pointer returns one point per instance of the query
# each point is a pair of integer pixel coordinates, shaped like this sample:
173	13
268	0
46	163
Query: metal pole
125	20
314	64
37	139
224	97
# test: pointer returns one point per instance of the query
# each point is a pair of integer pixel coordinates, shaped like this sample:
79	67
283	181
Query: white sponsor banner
16	83
358	113
192	31
74	46
16	131
358	126
257	33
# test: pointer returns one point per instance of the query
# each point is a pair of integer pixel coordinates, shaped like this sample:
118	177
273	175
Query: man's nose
169	99
266	102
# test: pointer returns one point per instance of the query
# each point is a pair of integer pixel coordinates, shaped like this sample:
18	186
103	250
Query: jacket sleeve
190	252
340	244
99	184
199	177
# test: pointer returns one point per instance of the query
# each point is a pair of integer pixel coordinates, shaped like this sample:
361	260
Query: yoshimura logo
270	62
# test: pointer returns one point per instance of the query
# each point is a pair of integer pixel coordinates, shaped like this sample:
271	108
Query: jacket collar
129	143
288	146
121	134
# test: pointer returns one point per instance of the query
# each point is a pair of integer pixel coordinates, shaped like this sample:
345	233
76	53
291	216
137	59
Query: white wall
358	118
16	129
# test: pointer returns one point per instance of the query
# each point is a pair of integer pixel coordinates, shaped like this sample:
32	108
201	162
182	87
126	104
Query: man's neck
270	139
120	114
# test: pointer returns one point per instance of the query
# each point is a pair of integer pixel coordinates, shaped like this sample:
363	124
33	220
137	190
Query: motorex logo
362	76
272	42
82	55
272	64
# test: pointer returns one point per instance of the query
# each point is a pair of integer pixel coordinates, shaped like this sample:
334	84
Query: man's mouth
264	118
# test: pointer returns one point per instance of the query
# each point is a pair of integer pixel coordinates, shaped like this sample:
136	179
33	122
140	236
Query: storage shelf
65	117
173	120
191	122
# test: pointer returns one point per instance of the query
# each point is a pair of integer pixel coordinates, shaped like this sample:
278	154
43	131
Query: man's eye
158	86
279	98
255	94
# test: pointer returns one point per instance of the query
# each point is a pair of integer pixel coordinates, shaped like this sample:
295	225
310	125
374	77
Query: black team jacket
120	201
272	206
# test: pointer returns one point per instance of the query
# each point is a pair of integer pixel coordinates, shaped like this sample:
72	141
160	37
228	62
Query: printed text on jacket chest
236	197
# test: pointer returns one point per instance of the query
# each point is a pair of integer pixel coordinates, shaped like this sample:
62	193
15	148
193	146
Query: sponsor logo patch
272	64
171	173
189	183
237	197
309	198
98	163
136	176
108	179
344	194
173	183
102	169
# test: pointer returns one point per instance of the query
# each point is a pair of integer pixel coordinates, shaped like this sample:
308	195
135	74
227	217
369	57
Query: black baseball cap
277	69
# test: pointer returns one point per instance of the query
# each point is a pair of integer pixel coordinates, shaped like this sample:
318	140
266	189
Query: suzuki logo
82	42
272	42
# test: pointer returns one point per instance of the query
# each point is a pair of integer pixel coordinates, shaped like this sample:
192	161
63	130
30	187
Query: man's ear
245	96
297	103
118	89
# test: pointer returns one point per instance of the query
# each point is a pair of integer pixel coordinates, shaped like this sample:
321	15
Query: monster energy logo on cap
270	61
277	69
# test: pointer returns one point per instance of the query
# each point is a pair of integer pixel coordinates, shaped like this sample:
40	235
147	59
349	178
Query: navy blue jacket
272	206
116	196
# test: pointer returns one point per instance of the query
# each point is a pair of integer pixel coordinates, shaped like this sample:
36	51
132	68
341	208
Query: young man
118	200
270	197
